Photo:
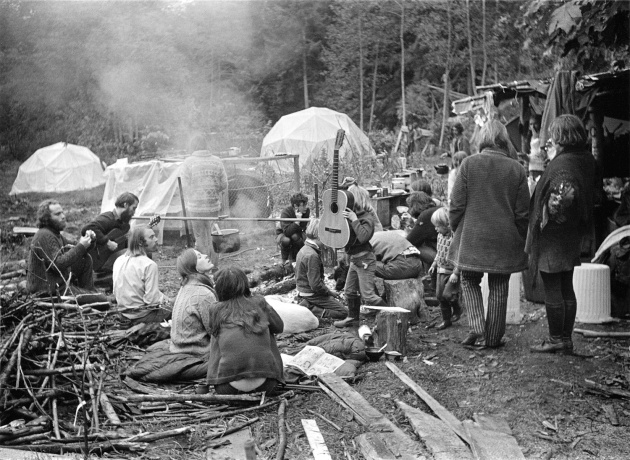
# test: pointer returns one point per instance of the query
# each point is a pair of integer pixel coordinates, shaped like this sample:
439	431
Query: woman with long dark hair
561	213
190	327
244	357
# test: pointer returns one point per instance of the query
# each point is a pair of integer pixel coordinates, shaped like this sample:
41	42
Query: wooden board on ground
491	445
492	423
443	443
14	454
232	450
401	446
373	447
435	406
316	440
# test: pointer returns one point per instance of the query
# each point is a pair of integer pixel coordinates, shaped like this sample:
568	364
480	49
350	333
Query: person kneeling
244	357
309	275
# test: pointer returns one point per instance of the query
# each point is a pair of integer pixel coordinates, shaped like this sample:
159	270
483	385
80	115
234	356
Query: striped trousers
492	325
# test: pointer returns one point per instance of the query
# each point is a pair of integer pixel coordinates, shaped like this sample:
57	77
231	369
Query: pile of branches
60	387
13	277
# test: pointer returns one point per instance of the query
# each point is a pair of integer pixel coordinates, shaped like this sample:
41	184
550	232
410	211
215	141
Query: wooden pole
228	219
181	196
296	172
317	200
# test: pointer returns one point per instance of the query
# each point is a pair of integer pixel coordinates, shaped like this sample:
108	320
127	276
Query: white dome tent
310	131
58	168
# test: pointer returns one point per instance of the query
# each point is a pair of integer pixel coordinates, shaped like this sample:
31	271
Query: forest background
123	77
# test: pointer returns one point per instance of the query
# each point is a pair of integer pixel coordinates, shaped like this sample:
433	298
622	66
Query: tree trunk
445	109
360	73
402	60
304	77
471	59
483	38
373	89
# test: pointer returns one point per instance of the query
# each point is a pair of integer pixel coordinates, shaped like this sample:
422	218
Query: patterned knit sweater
205	178
190	327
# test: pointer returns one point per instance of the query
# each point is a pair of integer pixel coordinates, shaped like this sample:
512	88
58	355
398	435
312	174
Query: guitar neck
335	176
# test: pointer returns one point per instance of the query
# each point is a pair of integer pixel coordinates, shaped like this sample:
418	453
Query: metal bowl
393	356
373	354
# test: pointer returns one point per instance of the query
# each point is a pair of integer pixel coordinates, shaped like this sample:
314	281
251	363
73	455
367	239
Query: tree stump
407	294
391	329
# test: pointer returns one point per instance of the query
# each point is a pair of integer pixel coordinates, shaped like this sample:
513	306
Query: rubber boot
445	307
555	319
570	310
354	310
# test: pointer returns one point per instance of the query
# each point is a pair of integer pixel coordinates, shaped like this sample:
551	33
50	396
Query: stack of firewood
60	388
13	276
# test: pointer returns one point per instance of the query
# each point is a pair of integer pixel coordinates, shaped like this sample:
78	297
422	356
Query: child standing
447	275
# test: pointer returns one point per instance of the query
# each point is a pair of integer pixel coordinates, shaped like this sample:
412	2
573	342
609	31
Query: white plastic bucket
514	298
591	283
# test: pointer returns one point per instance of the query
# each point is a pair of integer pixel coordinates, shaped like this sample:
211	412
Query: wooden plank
395	439
316	440
435	406
25	230
491	445
437	436
373	447
492	423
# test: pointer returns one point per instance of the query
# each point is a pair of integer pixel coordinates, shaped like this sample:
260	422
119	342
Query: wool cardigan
489	214
190	325
309	271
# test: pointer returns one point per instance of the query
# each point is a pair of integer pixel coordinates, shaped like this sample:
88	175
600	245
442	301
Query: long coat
489	214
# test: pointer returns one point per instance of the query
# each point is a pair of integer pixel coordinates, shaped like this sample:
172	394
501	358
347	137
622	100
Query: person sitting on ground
136	285
190	325
309	277
54	264
396	257
111	229
244	357
360	278
446	272
291	234
363	195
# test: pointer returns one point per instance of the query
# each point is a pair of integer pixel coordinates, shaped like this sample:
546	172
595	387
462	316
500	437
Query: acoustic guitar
334	229
101	253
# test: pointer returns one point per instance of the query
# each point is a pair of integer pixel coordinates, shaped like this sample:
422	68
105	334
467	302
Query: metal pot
228	240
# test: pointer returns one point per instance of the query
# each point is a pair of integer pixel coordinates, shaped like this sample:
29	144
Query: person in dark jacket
561	213
423	234
291	234
54	264
489	216
396	257
244	356
309	277
360	279
108	227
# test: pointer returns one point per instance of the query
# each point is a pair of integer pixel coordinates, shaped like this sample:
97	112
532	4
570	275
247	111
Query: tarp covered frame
312	131
59	168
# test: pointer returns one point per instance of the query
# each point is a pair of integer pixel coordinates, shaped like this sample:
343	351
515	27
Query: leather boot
354	310
457	311
570	310
555	319
445	307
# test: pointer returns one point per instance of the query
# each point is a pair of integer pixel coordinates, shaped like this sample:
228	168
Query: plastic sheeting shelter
59	168
310	132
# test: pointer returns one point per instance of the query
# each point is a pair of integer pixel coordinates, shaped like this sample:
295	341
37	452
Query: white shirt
136	284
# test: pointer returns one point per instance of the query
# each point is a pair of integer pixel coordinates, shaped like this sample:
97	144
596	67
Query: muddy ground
528	389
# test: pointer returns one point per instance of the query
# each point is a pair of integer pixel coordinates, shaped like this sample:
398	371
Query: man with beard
55	264
111	229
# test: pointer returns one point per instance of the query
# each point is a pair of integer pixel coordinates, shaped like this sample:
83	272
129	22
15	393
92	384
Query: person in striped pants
489	217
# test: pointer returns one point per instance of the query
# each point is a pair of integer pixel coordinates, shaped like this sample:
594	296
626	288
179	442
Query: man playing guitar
111	229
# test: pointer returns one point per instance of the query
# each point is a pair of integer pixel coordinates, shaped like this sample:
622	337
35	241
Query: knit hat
536	163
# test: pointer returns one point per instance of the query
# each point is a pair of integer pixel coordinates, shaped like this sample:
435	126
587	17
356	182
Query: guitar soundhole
334	208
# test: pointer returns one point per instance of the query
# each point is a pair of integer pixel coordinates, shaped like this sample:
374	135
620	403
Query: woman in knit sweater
488	215
244	357
190	329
